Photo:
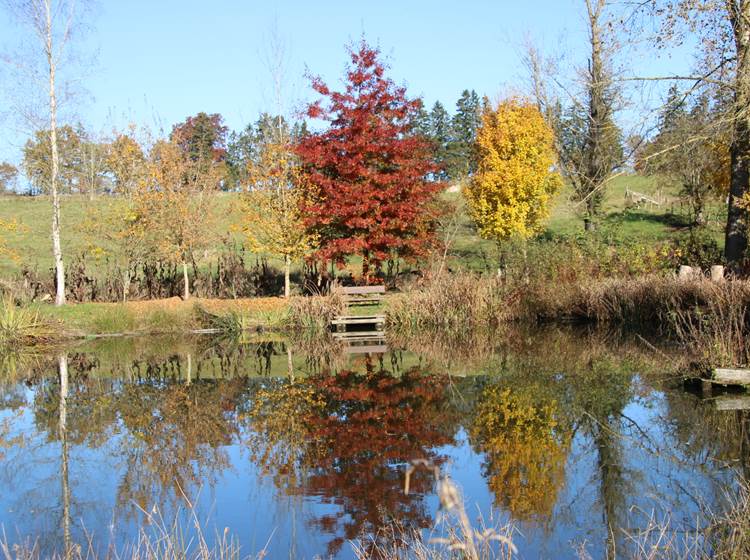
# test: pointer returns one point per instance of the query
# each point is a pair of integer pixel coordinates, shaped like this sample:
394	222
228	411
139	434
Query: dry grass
461	541
158	539
313	314
717	332
717	537
453	302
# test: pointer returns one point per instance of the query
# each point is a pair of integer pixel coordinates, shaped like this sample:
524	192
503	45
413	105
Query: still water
300	447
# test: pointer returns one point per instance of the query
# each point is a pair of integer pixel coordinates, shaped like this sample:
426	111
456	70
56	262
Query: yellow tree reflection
526	445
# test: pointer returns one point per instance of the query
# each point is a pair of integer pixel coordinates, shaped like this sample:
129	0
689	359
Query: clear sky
160	61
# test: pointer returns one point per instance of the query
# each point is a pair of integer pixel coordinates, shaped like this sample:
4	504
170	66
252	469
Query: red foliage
371	427
367	171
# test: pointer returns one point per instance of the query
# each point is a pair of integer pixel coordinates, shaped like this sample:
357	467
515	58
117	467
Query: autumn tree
510	193
37	164
8	176
126	163
176	203
273	207
367	171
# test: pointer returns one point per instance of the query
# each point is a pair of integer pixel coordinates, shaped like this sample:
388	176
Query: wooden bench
361	295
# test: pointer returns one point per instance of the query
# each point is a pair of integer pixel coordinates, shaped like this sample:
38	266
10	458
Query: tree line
367	183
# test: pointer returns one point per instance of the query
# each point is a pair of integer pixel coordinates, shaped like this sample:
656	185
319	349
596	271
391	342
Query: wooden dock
346	320
362	334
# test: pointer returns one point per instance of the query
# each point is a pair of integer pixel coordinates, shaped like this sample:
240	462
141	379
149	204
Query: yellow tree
175	202
510	193
126	162
273	219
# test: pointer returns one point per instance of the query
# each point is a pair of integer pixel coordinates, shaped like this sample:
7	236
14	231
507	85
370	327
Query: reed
717	331
314	313
22	325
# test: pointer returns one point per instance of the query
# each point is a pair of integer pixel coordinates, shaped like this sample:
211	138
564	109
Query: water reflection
563	433
346	438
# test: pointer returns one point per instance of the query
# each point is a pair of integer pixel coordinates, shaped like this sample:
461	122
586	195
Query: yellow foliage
126	162
273	220
7	227
526	448
175	202
510	193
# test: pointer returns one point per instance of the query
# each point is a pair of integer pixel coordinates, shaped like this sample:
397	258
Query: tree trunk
186	281
287	267
736	231
125	284
56	245
366	267
62	432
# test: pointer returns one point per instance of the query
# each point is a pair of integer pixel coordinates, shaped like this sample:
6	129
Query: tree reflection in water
346	437
526	441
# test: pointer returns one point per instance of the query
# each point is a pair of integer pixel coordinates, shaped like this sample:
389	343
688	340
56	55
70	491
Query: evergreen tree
421	124
440	133
465	124
672	112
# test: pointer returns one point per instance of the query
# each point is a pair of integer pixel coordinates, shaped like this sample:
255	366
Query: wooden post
717	273
686	273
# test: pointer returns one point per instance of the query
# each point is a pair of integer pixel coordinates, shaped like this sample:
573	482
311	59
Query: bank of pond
570	440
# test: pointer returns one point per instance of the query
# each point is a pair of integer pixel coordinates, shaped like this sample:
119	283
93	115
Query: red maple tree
367	170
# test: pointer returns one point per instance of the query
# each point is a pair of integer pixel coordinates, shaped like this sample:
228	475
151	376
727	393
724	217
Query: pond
577	440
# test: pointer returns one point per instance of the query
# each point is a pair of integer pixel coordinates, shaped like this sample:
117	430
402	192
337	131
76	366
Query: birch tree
50	26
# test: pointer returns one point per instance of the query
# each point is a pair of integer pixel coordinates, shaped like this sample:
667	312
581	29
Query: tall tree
465	123
369	195
723	28
51	23
176	204
602	147
589	141
510	192
440	134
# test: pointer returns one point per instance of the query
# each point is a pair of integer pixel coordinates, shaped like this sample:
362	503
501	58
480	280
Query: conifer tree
465	123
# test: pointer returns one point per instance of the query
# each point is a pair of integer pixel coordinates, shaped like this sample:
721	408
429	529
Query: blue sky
159	61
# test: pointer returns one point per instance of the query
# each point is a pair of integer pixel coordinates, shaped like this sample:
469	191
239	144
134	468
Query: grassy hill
622	223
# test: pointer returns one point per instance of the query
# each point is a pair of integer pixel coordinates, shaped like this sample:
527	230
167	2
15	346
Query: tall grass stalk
313	314
717	331
21	325
159	539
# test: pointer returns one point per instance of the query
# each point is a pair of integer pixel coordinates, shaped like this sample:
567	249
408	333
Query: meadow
622	222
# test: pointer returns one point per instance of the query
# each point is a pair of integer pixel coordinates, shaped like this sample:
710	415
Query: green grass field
643	224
